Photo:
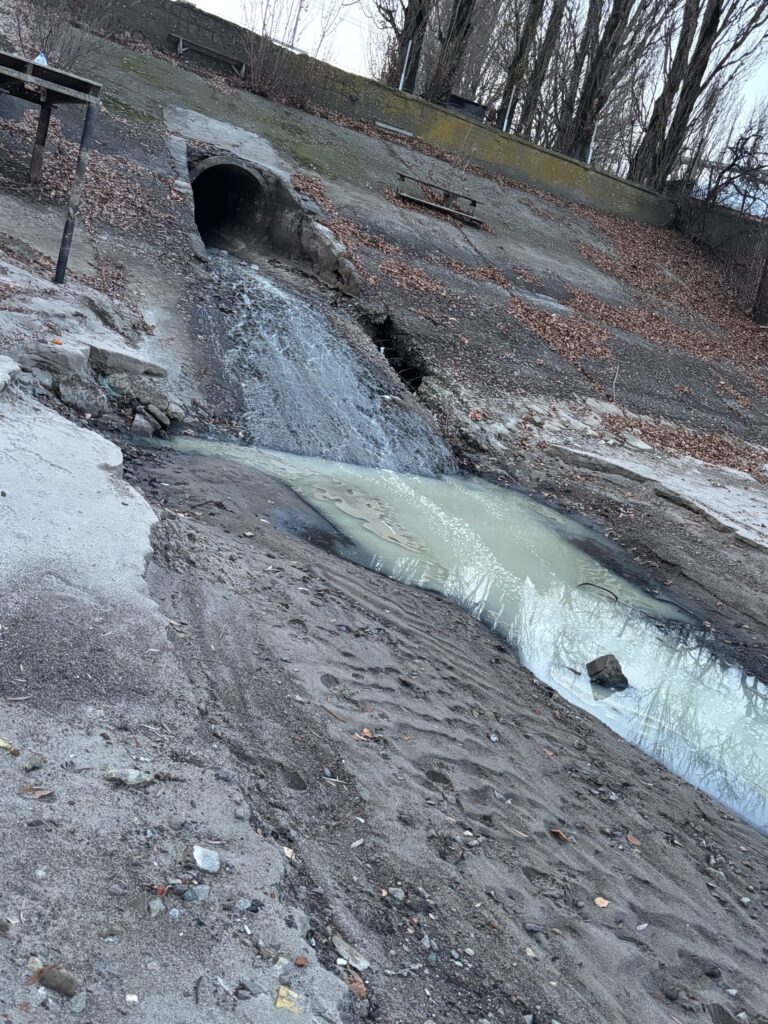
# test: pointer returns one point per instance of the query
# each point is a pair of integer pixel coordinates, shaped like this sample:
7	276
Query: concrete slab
241	143
66	329
66	510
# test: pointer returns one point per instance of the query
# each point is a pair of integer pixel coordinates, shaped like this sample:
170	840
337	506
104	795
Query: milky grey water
518	567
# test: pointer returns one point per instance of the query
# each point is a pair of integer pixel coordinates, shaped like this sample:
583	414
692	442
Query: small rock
159	415
720	1015
129	777
397	894
207	860
606	671
142	426
242	905
197	894
35	762
60	980
349	953
155	906
77	1003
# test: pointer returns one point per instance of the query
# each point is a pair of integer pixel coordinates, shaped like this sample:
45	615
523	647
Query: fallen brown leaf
356	984
633	840
560	836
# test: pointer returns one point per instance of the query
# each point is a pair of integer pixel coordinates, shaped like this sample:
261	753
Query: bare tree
408	24
38	26
716	42
738	176
453	39
518	66
541	66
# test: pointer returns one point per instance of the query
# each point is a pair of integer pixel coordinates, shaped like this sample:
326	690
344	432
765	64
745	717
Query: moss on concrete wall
304	80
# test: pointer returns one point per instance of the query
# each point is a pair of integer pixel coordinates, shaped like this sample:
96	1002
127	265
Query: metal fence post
76	192
760	309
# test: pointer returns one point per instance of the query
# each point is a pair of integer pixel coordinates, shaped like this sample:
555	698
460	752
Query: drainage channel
520	568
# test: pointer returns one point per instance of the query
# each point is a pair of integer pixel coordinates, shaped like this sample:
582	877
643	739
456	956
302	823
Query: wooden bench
448	196
182	45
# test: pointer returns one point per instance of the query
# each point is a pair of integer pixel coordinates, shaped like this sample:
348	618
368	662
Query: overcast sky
349	47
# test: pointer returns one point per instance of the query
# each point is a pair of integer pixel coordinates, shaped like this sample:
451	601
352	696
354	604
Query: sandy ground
245	694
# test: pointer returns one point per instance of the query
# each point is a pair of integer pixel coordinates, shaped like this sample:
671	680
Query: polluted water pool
522	570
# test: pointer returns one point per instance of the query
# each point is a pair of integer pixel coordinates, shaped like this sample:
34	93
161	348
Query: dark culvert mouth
232	205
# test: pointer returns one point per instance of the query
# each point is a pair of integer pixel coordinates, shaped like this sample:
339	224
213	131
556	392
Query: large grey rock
144	388
606	671
82	394
8	367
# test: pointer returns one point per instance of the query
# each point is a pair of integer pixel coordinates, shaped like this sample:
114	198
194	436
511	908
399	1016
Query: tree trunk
671	148
453	46
587	46
541	66
414	29
594	92
644	164
516	69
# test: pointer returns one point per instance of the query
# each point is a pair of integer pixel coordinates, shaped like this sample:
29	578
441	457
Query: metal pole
505	125
76	192
38	150
760	308
405	63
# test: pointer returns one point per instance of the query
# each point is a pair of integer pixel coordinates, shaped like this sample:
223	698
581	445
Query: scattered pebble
197	894
78	1002
207	860
129	777
349	953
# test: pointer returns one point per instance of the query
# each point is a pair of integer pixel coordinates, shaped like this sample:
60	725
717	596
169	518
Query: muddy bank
457	851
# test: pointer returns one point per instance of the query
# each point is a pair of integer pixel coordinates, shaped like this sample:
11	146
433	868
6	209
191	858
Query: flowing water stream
374	468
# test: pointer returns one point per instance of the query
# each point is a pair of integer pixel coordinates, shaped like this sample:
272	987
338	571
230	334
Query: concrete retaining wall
303	80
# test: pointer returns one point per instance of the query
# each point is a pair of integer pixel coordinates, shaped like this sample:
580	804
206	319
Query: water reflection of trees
707	722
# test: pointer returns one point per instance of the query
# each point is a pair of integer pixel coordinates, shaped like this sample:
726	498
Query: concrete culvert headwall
233	206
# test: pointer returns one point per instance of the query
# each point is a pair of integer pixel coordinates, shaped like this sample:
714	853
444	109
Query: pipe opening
231	206
394	347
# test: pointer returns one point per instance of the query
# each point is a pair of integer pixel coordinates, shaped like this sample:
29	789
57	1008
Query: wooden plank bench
182	45
448	195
